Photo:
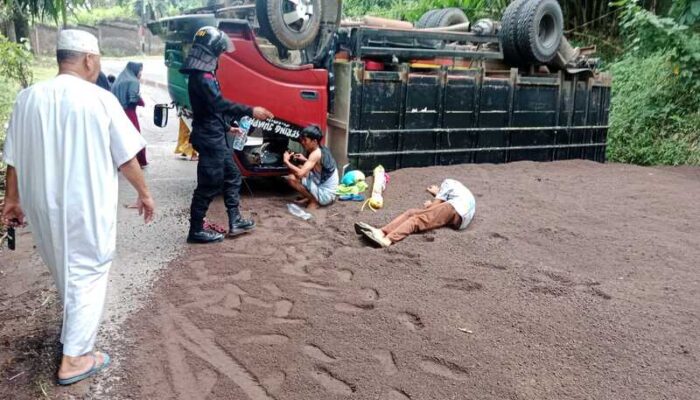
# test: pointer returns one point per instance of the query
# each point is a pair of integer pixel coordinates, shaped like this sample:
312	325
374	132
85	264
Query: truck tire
448	17
540	29
423	21
440	18
509	33
290	25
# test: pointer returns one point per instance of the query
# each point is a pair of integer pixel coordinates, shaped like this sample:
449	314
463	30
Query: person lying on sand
454	205
317	177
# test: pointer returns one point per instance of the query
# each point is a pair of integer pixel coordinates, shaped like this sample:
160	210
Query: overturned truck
445	91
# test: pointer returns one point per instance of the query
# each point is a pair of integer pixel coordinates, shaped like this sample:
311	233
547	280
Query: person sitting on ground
454	206
317	178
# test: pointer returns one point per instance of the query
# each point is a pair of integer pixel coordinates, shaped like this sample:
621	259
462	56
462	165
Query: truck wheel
448	17
440	18
509	33
290	24
540	28
423	21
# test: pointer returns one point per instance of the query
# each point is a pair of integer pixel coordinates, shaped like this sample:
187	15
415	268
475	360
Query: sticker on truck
278	127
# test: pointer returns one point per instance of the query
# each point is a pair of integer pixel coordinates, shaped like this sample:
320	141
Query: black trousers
216	173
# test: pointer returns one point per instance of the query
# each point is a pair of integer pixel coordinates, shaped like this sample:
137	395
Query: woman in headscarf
127	88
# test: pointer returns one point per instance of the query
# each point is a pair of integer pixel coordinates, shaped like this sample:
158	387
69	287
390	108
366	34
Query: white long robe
66	139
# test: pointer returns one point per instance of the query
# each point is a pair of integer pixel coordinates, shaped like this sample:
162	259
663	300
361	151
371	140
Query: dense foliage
655	116
411	10
15	72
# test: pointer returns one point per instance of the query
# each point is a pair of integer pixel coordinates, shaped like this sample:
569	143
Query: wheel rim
547	31
297	14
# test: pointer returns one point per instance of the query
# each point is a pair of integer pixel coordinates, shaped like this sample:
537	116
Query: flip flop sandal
351	197
92	371
374	239
361	227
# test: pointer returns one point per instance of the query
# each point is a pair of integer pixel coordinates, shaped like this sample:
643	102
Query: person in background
67	140
127	88
317	178
454	206
103	82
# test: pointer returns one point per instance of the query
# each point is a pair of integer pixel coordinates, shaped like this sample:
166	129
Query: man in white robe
66	142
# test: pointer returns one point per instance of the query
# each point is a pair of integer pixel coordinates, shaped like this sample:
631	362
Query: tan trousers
420	220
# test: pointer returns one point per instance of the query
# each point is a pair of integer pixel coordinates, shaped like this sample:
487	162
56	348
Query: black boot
200	235
237	225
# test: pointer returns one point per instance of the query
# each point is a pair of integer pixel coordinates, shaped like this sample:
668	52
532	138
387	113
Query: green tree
16	62
54	9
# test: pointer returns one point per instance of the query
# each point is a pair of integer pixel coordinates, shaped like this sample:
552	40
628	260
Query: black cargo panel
416	118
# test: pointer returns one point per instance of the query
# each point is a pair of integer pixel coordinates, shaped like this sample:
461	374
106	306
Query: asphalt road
142	250
154	70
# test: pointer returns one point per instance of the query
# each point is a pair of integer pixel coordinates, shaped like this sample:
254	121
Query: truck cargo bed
415	118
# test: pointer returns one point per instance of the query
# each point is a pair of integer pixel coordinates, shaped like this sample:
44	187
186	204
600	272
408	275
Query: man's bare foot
313	205
302	201
74	366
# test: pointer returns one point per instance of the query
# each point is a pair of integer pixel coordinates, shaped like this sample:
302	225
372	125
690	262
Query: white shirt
460	198
66	139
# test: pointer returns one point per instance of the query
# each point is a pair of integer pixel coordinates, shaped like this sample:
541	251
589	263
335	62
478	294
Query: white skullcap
77	40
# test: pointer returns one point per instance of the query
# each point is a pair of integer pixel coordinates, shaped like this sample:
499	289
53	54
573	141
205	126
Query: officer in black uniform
212	121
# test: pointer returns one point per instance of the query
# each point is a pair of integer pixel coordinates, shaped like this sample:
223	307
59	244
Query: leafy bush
15	70
686	11
649	123
655	117
411	10
7	98
93	16
16	62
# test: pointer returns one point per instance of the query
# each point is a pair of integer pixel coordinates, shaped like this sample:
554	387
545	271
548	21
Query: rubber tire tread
509	32
273	24
451	16
528	24
433	20
423	21
430	22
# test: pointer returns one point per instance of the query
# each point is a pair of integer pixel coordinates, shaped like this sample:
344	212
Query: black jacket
212	114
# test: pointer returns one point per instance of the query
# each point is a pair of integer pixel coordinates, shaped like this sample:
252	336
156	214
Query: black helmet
214	40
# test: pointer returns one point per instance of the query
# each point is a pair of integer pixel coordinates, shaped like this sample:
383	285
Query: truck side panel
415	118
